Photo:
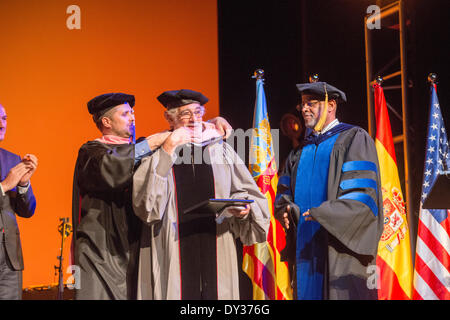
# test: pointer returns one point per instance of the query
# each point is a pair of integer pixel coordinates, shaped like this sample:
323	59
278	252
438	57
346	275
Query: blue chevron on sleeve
359	165
364	198
359	183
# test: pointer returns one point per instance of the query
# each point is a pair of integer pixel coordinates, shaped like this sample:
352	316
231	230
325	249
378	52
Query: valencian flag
270	276
394	260
432	267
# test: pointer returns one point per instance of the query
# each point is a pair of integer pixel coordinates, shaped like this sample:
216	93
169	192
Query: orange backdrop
48	73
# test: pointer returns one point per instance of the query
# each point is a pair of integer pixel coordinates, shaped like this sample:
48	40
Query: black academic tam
318	89
102	103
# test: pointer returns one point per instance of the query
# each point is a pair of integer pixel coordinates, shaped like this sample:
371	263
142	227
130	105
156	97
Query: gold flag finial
379	80
432	78
314	78
258	74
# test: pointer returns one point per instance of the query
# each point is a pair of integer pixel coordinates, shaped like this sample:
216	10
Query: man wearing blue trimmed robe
329	200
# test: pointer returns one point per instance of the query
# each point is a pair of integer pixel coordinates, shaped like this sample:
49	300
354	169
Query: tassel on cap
323	115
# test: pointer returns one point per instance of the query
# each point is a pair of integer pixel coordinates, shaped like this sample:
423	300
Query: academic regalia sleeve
102	167
286	188
355	215
150	186
254	227
285	197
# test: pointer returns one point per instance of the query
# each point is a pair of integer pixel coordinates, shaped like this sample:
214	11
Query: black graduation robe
342	248
106	230
197	230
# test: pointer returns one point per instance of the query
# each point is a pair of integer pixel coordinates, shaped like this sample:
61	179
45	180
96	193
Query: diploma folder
216	206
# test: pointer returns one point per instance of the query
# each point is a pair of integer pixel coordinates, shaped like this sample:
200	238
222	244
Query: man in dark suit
16	197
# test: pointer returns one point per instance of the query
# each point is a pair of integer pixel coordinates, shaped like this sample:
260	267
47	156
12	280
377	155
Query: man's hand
286	217
157	139
31	161
15	175
308	216
222	126
177	138
240	212
209	125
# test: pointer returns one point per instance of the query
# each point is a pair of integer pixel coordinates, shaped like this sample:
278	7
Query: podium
439	197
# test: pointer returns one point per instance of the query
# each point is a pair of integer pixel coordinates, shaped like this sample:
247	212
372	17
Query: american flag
432	267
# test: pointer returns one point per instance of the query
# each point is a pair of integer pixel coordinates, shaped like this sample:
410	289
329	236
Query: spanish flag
394	250
269	275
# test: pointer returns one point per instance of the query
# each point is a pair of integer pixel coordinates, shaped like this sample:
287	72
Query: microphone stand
65	228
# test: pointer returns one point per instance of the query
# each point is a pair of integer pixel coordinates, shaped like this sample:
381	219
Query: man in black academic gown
329	200
107	232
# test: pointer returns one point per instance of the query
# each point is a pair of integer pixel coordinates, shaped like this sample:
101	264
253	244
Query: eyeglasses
309	104
187	114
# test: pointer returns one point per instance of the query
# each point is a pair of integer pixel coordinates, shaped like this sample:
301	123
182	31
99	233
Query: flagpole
258	74
274	282
405	122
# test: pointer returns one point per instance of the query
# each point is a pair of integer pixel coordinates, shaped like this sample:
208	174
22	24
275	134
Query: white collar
331	125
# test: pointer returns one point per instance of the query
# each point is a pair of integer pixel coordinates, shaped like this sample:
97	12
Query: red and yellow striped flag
269	275
394	250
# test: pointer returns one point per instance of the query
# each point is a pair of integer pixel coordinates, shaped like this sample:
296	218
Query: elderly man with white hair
191	253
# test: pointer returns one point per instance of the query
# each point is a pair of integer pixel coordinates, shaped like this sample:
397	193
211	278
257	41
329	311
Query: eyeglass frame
310	104
198	112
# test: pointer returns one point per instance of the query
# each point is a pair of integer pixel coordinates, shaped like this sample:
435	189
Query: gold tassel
323	116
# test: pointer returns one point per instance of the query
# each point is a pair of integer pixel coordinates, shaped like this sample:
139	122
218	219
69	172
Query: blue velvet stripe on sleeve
358	183
359	165
286	180
284	183
364	198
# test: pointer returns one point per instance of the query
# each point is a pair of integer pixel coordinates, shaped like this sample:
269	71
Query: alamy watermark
373	20
73	21
373	281
251	146
74	281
